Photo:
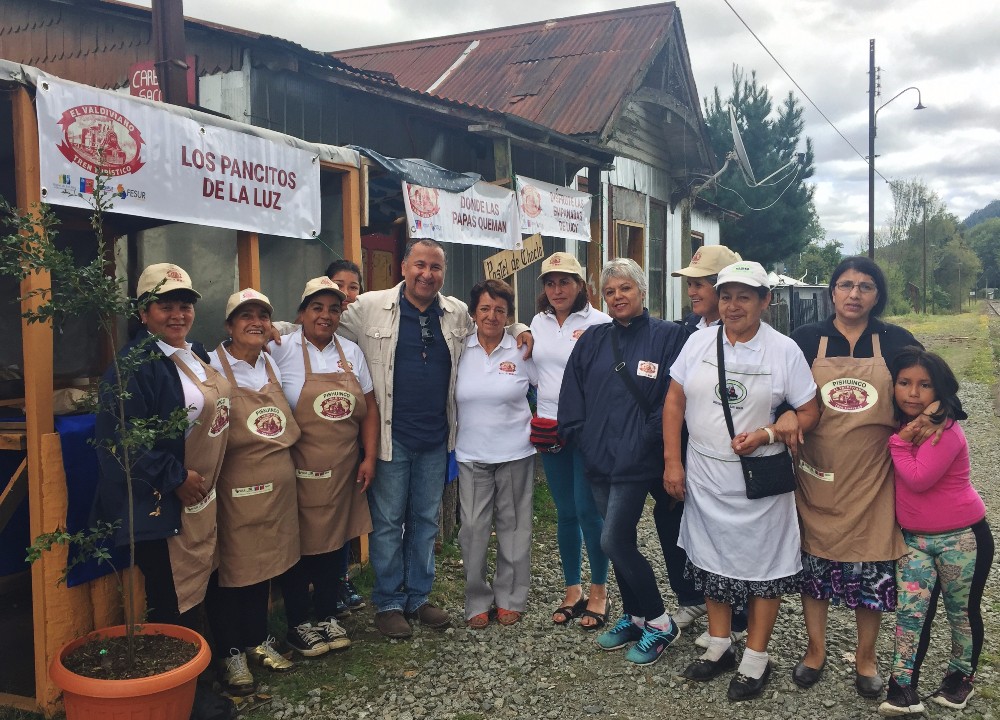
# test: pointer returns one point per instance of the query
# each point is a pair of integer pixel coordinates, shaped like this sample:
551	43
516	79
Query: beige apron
329	412
258	506
192	552
846	499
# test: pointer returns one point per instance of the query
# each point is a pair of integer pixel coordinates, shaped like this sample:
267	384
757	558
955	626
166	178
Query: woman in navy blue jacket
611	407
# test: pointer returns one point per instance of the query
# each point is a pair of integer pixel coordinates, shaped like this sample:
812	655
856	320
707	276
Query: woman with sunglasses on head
845	499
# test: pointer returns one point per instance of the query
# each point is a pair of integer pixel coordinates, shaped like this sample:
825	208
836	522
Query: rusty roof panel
570	75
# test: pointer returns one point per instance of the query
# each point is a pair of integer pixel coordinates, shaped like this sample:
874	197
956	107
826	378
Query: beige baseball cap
744	272
164	278
245	297
708	260
322	284
562	262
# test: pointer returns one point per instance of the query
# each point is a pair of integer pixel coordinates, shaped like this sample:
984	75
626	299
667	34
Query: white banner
162	165
552	210
482	215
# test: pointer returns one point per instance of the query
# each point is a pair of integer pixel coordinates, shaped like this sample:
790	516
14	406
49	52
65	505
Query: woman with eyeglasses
845	499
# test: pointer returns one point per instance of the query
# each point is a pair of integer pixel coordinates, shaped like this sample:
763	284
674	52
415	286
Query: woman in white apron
173	482
327	383
741	552
258	507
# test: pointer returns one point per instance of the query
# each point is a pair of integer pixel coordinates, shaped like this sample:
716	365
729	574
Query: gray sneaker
687	614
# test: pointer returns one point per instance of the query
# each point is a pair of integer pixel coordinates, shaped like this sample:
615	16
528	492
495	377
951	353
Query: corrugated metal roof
570	75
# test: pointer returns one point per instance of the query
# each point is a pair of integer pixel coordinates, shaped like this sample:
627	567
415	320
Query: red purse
544	436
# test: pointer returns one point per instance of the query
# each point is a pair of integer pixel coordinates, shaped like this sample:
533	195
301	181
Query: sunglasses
426	334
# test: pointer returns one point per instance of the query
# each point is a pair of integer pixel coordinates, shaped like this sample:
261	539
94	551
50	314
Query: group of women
254	472
641	407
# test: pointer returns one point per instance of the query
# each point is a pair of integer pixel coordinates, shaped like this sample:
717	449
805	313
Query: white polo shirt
553	345
491	394
249	376
288	357
194	398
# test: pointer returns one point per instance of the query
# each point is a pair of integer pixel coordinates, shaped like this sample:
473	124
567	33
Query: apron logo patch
508	368
735	391
252	490
345	365
849	395
221	420
267	422
198	507
818	474
647	369
334	405
578	333
314	474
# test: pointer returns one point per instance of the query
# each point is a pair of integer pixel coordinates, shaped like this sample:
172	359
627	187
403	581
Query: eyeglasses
865	288
426	334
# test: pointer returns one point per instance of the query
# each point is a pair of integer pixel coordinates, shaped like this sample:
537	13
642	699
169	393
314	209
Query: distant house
619	80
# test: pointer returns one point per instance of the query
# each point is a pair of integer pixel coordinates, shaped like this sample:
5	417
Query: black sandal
569	612
599	619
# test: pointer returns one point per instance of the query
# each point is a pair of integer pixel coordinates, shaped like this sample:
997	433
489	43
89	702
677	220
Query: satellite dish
741	153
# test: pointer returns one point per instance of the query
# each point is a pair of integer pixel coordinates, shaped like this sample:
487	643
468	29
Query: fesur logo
736	391
100	139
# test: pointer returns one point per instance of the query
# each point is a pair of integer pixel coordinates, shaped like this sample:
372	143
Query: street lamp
872	126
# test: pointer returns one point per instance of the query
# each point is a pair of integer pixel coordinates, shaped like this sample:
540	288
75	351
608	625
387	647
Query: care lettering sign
507	262
482	215
553	211
163	165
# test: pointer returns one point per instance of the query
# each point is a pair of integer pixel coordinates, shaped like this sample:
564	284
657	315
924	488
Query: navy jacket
598	412
155	390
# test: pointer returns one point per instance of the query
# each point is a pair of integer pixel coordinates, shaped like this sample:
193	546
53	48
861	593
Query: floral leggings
953	564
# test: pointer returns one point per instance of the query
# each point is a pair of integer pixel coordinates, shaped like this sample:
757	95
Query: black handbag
767	475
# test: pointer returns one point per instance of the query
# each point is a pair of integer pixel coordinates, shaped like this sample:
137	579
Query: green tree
816	262
779	217
984	239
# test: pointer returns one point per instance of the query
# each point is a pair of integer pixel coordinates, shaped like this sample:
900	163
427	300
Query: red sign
142	81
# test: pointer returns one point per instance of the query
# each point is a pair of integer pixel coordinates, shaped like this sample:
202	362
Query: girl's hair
337	265
942	378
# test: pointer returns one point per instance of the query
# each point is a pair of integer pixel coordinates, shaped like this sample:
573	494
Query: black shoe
341	610
742	687
703	670
350	595
900	701
804	676
868	687
955	690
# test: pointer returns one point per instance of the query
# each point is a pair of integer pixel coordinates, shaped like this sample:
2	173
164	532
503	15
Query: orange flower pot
168	696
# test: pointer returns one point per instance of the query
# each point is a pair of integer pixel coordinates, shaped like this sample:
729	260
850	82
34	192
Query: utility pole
168	37
871	148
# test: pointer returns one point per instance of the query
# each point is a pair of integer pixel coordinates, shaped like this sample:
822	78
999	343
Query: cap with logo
246	297
162	278
562	262
322	284
708	260
744	272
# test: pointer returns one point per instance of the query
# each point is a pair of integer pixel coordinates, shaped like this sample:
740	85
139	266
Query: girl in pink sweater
944	525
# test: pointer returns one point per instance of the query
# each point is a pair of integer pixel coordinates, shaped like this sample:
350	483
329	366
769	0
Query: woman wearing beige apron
174	480
329	388
258	508
850	540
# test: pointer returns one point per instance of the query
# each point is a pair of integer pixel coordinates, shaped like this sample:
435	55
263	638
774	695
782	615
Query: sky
948	50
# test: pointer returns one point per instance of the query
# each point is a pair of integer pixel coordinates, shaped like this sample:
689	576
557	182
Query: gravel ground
537	670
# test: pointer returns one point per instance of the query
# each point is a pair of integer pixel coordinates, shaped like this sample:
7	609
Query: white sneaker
236	675
334	633
704	640
687	614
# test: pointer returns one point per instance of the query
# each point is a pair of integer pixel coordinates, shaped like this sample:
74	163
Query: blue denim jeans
405	495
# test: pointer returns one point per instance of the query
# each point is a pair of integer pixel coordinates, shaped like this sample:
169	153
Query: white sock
663	622
753	663
639	621
717	647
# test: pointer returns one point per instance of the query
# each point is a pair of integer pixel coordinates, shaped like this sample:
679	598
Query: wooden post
503	174
37	365
595	247
248	259
351	188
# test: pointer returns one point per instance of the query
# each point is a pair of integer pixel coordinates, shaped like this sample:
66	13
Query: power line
804	93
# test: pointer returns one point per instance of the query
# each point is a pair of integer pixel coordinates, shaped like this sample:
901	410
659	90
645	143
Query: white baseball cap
744	272
164	278
246	297
708	260
322	284
562	262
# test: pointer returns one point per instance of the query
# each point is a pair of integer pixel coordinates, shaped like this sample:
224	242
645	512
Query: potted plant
94	680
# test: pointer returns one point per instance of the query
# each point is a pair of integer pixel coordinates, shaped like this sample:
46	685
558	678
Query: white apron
722	531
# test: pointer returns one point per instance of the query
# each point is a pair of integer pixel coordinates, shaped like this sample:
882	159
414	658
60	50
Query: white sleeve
679	370
799	385
283	327
213	360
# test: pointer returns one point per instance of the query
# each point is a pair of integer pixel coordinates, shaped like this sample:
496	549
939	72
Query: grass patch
968	342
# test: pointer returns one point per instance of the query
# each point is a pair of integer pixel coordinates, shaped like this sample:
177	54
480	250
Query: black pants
153	558
237	615
667	514
323	571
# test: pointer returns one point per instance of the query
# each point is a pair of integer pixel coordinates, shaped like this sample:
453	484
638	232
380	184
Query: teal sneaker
624	632
652	644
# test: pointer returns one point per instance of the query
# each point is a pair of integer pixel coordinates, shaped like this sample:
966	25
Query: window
657	301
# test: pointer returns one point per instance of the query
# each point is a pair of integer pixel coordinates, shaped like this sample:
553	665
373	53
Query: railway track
994	306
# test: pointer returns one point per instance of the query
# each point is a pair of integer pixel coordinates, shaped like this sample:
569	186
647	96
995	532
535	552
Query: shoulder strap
723	388
224	362
626	376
